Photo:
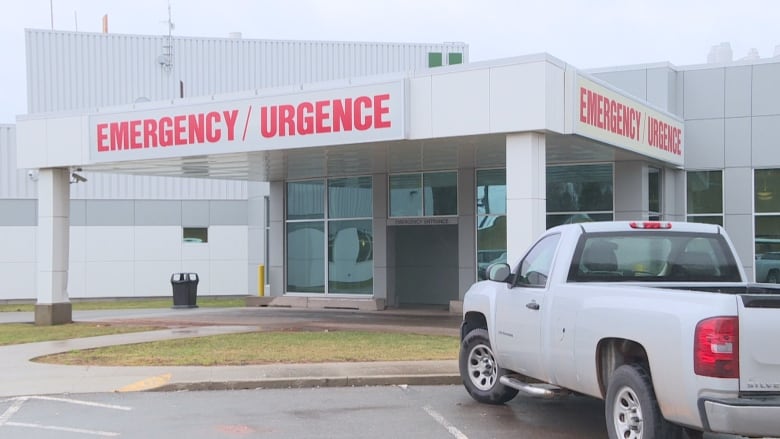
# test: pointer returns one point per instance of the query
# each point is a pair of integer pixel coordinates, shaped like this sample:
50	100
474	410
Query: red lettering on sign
663	136
321	117
609	115
359	113
183	129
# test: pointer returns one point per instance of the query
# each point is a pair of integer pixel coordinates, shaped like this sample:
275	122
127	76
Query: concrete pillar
53	306
467	230
672	200
256	193
631	191
379	223
276	252
525	191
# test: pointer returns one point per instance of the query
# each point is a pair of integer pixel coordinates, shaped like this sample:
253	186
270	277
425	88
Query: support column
631	191
526	195
53	306
379	222
467	227
276	251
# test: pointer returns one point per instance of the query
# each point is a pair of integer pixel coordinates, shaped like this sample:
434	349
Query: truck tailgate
759	343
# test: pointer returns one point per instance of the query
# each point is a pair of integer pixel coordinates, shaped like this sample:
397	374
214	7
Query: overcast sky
584	33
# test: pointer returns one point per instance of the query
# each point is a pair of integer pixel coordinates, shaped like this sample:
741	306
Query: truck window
535	267
653	256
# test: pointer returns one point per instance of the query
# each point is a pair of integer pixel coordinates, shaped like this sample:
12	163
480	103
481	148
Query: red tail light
716	348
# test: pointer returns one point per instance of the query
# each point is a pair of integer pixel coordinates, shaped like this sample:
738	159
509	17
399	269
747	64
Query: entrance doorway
426	265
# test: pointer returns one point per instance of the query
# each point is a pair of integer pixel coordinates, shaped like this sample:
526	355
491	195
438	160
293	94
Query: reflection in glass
767	184
491	192
441	193
305	200
654	193
491	242
768	248
350	257
306	257
491	219
579	193
579	188
705	192
350	197
405	195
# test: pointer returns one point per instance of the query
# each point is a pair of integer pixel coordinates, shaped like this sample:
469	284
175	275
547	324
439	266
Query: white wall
127	261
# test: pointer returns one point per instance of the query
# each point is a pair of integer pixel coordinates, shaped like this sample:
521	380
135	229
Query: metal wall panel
78	71
14	183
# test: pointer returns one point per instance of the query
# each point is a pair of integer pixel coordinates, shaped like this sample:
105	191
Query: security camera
76	178
32	174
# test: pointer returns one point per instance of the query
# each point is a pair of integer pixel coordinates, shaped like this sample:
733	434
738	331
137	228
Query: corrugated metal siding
14	183
76	71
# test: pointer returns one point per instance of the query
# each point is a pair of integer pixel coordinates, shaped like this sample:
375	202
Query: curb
305	383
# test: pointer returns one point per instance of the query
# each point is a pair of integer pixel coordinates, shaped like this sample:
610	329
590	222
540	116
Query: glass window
767	183
705	197
654	193
406	195
305	200
350	257
653	257
198	235
579	193
491	192
350	197
441	193
491	219
430	194
705	192
330	253
535	267
306	257
767	225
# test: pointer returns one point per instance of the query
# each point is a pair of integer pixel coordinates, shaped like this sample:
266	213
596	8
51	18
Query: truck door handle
532	305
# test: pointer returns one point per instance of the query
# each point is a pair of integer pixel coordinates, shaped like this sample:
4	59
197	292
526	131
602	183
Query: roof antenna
166	58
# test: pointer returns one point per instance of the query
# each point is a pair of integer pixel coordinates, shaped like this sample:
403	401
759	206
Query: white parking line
79	402
444	423
5	418
12	410
66	429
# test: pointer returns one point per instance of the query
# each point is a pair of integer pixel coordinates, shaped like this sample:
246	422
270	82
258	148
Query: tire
479	370
631	408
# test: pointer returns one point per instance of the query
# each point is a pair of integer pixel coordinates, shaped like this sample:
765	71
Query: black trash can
185	290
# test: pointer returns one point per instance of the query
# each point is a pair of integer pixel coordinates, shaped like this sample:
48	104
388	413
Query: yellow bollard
261	280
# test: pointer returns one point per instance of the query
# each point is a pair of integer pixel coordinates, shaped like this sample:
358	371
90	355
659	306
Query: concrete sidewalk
20	376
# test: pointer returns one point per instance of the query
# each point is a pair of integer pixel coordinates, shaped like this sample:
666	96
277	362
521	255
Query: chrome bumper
755	417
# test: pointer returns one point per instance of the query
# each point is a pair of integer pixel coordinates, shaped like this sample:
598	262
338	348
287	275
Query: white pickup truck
655	318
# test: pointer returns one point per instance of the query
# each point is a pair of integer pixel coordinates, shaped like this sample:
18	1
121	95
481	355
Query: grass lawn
269	347
223	350
17	333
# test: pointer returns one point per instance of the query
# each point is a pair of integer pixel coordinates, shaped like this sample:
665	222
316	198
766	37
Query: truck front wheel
479	370
632	410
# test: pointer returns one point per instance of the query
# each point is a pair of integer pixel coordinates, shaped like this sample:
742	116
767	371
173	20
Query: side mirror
498	272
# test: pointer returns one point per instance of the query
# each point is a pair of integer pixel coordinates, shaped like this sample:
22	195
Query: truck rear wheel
479	369
632	410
